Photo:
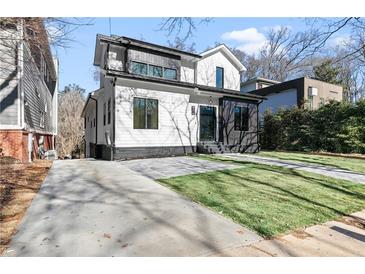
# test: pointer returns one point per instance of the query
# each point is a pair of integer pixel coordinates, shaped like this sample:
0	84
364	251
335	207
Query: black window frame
244	119
216	80
156	66
165	68
104	114
109	111
145	113
141	63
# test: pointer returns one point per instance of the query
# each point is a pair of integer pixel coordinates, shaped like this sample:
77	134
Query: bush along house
159	101
28	90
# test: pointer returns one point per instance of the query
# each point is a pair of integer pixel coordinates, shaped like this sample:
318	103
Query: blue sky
245	33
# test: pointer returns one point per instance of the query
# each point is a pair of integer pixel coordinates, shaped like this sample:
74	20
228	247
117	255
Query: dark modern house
302	92
158	101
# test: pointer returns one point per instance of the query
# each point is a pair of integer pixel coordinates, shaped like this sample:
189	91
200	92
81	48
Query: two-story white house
158	101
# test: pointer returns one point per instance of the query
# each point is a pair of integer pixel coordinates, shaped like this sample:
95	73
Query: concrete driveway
99	208
158	168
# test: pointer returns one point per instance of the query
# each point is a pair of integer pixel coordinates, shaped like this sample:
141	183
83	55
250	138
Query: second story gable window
139	68
219	77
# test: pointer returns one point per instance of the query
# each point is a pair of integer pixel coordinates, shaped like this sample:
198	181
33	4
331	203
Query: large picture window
139	68
219	77
241	118
145	113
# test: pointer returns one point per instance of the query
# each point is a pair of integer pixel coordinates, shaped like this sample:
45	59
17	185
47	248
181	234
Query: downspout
113	131
21	73
258	135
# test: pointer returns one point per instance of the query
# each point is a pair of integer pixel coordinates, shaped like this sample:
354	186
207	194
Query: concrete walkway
323	170
331	239
99	208
158	168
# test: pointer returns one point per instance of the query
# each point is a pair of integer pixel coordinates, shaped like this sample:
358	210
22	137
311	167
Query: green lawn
271	200
356	165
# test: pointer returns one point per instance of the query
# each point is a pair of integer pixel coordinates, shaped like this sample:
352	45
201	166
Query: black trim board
297	84
239	94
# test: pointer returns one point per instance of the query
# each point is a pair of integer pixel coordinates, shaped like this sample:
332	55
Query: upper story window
241	118
145	113
139	68
170	74
155	71
41	120
219	77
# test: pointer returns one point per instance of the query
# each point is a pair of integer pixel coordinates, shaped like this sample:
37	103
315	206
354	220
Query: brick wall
14	143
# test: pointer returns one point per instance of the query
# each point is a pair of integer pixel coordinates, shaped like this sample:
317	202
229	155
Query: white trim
9	127
223	48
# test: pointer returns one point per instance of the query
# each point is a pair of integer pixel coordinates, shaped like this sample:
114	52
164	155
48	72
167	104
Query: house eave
212	90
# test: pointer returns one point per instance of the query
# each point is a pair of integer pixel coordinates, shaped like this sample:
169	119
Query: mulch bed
19	183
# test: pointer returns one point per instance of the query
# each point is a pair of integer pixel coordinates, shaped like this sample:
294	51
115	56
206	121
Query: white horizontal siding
176	124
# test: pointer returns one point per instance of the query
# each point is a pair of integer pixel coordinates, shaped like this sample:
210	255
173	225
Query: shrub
335	127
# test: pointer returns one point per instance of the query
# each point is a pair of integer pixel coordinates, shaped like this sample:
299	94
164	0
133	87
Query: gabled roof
227	52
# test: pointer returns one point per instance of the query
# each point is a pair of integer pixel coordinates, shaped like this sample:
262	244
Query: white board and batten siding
206	71
275	101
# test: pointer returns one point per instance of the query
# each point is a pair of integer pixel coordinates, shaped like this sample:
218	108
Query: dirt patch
301	234
19	183
354	221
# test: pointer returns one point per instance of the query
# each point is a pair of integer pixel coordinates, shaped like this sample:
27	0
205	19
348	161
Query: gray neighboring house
302	92
28	89
158	101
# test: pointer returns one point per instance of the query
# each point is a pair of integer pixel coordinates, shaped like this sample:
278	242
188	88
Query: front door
207	123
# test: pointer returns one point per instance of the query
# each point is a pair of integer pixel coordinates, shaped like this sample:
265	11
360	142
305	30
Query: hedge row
334	127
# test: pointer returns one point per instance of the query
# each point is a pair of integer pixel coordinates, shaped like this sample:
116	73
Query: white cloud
340	41
250	40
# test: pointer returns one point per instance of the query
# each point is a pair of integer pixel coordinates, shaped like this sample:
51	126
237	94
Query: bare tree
70	123
180	44
37	34
182	27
